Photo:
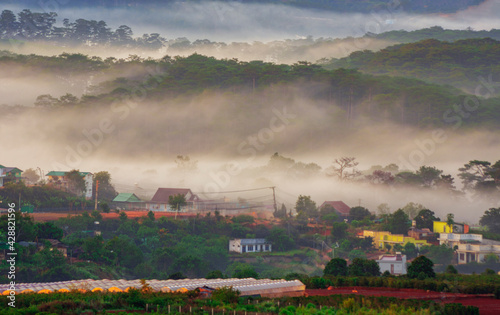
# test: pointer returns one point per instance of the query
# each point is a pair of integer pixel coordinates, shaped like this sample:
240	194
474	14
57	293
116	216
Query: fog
232	141
137	142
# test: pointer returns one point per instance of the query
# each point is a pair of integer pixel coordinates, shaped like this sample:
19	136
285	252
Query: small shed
128	201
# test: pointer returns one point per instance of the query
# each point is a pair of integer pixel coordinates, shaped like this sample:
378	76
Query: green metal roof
61	173
126	197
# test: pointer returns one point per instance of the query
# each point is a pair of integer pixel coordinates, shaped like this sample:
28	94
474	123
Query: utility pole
274	198
96	193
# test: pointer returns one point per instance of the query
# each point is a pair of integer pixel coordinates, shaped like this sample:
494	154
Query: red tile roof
162	194
340	206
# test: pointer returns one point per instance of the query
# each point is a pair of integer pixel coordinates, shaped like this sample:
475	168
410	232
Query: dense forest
403	100
464	64
435	32
420	6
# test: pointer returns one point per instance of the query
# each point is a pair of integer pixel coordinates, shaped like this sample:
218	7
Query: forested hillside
435	32
464	64
377	98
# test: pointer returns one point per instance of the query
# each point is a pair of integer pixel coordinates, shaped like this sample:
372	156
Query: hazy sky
256	22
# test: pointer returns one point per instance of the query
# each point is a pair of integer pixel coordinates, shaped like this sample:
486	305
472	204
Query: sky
238	21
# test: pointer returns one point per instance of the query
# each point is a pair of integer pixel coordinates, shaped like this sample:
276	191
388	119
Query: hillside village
252	238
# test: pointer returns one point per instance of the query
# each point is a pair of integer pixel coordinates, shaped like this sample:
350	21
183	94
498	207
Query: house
393	239
375	235
340	207
443	227
476	252
384	239
160	201
55	244
420	234
9	174
249	245
395	264
128	201
59	180
454	239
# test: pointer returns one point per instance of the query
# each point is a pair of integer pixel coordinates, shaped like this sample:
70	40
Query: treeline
36	26
471	64
377	98
435	32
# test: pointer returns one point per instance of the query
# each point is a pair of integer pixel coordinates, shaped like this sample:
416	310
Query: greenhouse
247	287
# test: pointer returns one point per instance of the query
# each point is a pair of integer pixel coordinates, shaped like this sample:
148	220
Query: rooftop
340	206
163	194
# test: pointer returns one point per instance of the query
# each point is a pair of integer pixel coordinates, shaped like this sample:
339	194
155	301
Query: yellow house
376	236
393	239
383	238
441	227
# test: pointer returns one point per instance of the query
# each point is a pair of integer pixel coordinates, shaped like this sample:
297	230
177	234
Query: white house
249	245
454	239
160	201
59	180
395	264
477	252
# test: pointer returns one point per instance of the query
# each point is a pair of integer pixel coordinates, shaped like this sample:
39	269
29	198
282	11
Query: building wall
441	227
236	246
377	237
89	181
394	267
401	240
476	252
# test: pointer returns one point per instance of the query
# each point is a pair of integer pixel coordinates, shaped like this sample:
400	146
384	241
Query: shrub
451	270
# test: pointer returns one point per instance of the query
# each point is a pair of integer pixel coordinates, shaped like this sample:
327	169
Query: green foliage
106	190
491	219
398	222
451	270
226	295
339	230
441	254
421	267
176	202
491	259
431	60
410	250
177	276
336	267
242	271
356	253
358	213
425	219
364	267
243	218
76	182
280	239
305	205
214	274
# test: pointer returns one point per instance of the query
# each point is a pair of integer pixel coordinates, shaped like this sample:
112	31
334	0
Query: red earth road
486	303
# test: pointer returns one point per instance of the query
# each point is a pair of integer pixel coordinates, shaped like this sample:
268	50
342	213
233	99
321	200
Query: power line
232	191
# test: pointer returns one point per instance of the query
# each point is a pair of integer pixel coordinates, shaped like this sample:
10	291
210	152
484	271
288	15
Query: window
250	248
462	257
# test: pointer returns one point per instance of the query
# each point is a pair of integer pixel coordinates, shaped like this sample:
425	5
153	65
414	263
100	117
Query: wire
232	191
